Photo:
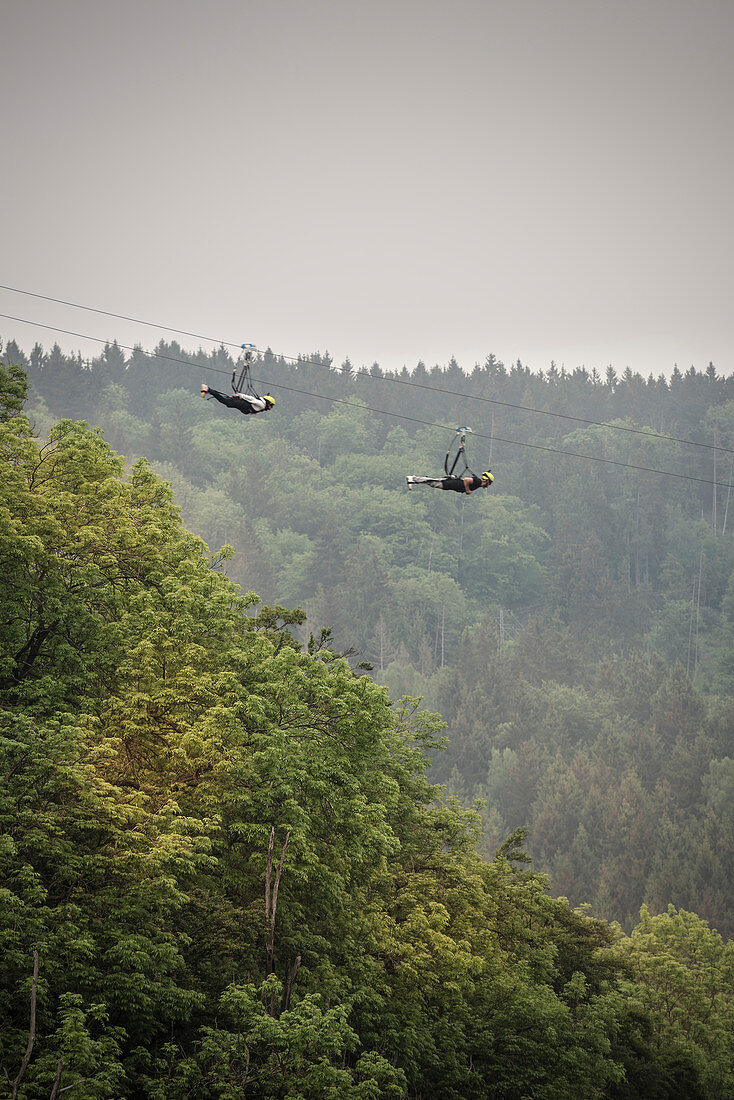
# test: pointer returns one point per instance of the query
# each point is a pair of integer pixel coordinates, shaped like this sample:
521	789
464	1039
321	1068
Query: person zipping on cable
247	403
454	484
243	396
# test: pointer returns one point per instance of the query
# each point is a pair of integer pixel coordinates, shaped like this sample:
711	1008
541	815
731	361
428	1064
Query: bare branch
268	870
32	1030
289	983
271	898
57	1080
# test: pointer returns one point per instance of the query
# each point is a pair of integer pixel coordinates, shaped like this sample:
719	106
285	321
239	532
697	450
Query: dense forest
239	858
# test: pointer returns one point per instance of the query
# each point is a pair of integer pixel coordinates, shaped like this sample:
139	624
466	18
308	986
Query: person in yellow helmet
454	484
248	403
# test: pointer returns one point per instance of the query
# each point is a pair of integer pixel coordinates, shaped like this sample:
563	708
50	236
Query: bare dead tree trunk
728	494
57	1080
637	540
290	980
716	488
690	628
31	1030
271	903
698	610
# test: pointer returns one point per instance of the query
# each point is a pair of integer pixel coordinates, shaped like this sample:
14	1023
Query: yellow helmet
488	476
269	401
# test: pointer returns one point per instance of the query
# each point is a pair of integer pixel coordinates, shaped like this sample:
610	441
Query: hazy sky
388	180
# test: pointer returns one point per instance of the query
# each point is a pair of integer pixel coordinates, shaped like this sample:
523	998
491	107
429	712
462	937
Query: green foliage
13	389
224	843
155	734
303	1052
684	975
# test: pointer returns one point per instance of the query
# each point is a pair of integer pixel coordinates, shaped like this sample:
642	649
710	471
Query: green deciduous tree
685	981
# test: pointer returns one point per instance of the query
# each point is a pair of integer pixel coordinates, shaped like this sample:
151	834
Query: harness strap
244	382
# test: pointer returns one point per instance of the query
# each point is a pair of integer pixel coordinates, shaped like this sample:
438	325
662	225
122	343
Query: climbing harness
243	384
456	453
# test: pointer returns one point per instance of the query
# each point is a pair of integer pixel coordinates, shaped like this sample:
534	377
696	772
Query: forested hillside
220	843
225	872
574	626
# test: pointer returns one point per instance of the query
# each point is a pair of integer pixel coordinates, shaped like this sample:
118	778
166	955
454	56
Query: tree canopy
226	868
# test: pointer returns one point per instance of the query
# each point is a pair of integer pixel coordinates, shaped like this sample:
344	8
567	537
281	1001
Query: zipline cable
499	438
107	313
357	374
380	412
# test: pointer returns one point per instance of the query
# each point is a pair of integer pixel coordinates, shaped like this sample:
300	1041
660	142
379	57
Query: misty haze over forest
572	625
313	785
570	632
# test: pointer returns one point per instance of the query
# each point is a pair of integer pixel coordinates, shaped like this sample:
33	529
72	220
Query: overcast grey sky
391	180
